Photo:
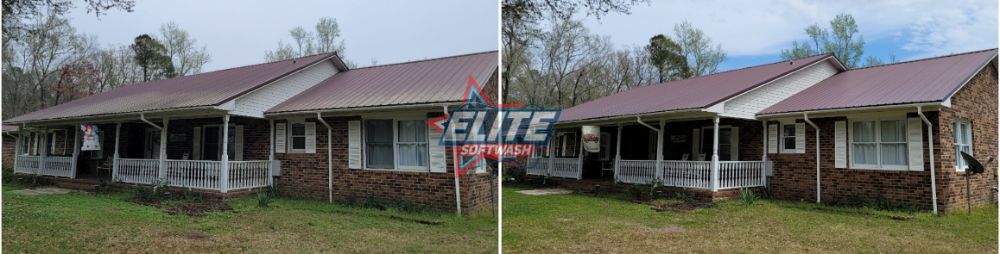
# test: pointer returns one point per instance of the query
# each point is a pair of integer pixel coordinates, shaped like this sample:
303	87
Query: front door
728	143
152	141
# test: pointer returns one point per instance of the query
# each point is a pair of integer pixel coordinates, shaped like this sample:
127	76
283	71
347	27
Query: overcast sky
754	32
238	33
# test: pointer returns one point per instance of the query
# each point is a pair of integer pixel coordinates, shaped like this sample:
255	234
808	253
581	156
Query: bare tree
188	57
703	58
324	39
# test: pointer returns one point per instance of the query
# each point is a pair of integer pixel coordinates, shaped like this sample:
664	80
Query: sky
755	32
237	33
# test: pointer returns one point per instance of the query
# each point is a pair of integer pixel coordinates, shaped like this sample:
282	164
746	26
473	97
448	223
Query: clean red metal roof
693	93
418	82
924	80
204	89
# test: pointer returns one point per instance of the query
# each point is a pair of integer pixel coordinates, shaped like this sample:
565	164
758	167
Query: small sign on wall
678	138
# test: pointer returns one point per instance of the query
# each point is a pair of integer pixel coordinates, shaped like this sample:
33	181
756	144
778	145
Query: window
378	144
725	143
567	144
788	137
879	144
412	144
605	153
57	147
962	137
298	137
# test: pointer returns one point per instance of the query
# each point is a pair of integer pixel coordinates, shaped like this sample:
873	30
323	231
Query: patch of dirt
564	219
42	191
196	235
197	208
678	205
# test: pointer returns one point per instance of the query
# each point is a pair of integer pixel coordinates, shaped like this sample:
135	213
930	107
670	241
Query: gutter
329	155
840	110
930	140
612	118
361	109
805	116
142	117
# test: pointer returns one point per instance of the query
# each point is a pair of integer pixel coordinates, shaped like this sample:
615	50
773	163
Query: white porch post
270	156
17	146
552	151
163	149
715	154
659	153
224	175
618	150
114	162
579	165
43	149
76	148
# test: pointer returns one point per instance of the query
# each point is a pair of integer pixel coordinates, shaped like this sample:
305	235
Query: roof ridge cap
925	59
427	60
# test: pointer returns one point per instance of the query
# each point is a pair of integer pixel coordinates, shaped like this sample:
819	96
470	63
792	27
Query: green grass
578	223
84	222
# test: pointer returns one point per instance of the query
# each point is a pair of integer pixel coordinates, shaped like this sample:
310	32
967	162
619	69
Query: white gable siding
255	103
747	105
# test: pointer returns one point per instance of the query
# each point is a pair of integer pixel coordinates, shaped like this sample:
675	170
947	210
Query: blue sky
754	32
238	33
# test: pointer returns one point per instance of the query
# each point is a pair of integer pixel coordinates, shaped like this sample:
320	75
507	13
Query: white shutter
279	138
734	153
354	145
310	137
695	144
196	146
239	142
915	143
438	159
840	144
772	138
800	138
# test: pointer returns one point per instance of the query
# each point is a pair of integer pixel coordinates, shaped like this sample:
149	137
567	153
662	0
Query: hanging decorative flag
592	138
91	141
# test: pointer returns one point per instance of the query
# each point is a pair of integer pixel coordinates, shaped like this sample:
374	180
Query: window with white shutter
310	137
280	138
354	144
402	144
772	138
879	144
962	139
840	144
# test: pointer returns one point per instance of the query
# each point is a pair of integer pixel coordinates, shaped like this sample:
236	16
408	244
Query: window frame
53	135
877	132
395	119
957	124
783	139
290	142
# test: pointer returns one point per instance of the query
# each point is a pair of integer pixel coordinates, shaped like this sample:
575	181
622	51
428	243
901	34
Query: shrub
639	192
150	194
263	198
684	196
747	196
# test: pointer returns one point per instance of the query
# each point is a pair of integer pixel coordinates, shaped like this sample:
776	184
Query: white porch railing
565	167
742	174
141	171
248	174
636	171
198	174
51	166
694	174
538	166
27	164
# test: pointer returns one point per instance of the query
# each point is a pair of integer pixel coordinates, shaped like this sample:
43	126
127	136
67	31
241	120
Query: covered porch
709	153
189	152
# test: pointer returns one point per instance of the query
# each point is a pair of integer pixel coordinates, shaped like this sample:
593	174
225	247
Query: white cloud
748	28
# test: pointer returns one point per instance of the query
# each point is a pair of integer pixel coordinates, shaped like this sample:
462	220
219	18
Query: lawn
573	223
85	222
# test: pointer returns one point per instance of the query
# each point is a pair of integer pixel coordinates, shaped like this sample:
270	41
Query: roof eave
938	104
363	109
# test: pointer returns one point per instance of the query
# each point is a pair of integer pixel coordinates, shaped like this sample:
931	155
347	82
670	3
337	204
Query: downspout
930	141
329	155
142	117
454	159
805	116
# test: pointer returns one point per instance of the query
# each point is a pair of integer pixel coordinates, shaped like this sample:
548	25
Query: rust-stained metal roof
199	90
919	81
419	82
693	93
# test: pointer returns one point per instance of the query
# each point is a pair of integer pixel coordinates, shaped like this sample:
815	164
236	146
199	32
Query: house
759	126
231	131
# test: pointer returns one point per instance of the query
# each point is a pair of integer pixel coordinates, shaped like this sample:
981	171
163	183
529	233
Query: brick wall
9	143
305	175
977	102
795	174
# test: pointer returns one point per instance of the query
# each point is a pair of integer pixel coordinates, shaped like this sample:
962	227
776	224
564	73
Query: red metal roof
204	89
418	82
693	93
924	80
